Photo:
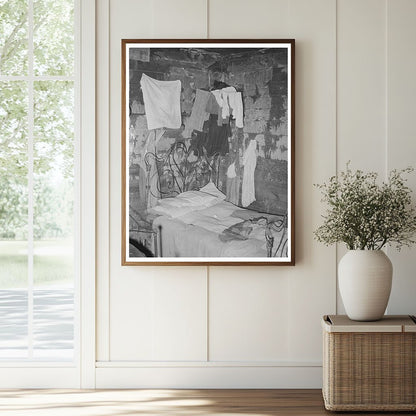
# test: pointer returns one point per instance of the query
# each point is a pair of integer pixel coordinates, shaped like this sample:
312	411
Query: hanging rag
231	171
199	113
249	161
218	97
161	102
233	185
227	102
232	104
217	139
235	102
212	104
199	142
224	100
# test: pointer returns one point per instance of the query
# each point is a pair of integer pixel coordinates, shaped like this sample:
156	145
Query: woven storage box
369	366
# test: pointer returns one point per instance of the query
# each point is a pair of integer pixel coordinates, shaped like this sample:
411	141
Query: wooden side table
369	366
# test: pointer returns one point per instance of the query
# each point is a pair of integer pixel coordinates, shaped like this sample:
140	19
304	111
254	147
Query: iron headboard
182	168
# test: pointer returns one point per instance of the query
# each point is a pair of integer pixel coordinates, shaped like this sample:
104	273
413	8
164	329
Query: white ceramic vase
364	278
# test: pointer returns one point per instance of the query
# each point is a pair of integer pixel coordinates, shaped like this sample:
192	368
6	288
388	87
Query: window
38	185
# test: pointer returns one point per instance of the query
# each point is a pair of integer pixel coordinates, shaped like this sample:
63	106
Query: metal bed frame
183	168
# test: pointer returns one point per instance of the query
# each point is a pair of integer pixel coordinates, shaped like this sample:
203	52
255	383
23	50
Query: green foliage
365	215
53	118
13	37
13	130
54	126
52	208
53	37
13	159
13	208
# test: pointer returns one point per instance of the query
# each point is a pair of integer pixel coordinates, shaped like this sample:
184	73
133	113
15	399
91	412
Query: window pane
54	174
53	37
53	319
13	163
13	37
13	219
13	324
53	197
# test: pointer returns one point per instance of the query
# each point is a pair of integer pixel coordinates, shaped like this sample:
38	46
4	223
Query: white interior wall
401	133
254	326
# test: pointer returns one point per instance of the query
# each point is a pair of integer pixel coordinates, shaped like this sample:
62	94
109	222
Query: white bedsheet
200	233
216	218
202	224
179	239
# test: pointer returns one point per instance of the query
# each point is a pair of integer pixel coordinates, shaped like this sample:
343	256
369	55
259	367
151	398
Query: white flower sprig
365	215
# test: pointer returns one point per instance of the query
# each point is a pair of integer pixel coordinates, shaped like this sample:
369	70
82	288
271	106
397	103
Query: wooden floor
164	402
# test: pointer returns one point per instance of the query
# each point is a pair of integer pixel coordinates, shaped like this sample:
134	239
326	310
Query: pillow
195	199
171	211
211	189
184	203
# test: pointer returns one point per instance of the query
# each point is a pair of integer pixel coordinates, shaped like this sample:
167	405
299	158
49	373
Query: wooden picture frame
208	152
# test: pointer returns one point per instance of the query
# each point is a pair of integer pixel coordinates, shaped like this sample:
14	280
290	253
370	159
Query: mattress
203	224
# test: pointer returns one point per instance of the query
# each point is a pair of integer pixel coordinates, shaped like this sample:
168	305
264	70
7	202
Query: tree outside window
37	125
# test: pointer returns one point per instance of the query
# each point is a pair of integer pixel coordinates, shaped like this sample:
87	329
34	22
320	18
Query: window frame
81	371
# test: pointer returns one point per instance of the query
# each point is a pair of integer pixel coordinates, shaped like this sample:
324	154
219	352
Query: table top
389	323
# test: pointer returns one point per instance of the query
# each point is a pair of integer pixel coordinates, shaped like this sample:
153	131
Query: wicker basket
369	366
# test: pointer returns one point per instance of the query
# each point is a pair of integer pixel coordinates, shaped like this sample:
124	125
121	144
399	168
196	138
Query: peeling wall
261	77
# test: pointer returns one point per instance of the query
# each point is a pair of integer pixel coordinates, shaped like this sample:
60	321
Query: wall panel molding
401	134
210	377
103	179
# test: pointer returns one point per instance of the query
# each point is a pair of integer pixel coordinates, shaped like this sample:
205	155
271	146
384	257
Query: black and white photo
208	152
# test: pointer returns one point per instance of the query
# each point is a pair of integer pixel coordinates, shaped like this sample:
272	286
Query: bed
190	216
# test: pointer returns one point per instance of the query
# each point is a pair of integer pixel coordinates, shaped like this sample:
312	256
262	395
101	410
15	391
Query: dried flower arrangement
366	215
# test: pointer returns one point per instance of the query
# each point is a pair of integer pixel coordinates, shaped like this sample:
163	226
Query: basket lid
389	323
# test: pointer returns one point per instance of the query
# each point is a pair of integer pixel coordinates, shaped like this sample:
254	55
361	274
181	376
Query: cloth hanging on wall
161	102
199	142
233	185
227	102
224	100
217	139
218	98
249	161
232	104
235	101
199	113
231	171
212	105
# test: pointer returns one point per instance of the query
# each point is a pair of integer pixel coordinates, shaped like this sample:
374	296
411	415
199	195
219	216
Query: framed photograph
208	152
